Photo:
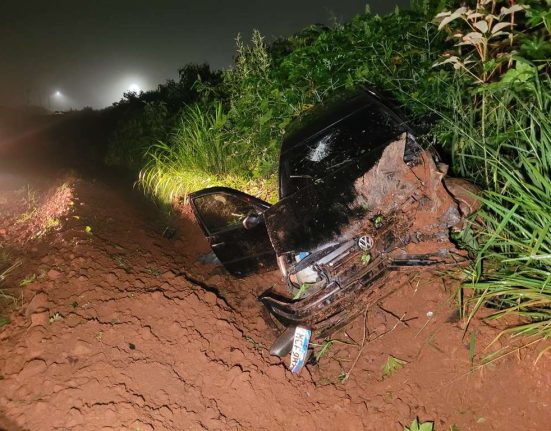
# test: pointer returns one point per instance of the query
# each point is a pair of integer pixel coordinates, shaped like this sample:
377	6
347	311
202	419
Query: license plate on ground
300	348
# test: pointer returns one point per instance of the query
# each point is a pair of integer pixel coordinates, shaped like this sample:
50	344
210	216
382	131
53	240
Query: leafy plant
416	426
488	30
56	317
27	280
500	122
392	365
302	290
366	258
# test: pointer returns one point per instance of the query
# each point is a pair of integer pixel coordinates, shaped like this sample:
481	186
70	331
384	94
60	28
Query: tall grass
512	266
202	153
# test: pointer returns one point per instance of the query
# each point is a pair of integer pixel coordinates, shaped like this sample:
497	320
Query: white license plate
300	348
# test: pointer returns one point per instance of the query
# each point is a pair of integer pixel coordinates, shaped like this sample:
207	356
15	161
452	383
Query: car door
243	248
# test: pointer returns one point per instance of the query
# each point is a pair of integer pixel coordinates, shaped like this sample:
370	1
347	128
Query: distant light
57	93
134	88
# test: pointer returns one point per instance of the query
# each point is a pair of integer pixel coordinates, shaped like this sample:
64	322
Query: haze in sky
68	54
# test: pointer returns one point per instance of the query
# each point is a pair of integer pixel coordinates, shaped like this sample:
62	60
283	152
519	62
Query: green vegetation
28	280
500	137
392	365
417	426
472	78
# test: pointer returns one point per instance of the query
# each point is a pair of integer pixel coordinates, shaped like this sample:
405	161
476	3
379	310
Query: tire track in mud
115	336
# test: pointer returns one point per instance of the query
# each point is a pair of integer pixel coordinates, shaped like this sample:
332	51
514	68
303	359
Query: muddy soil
120	327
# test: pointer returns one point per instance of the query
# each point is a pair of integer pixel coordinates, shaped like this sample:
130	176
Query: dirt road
121	328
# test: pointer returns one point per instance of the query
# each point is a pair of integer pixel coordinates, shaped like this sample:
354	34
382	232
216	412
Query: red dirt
125	329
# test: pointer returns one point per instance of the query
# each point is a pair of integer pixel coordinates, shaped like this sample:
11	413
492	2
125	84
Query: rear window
335	147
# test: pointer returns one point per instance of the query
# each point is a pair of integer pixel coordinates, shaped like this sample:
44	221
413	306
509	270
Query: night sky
92	51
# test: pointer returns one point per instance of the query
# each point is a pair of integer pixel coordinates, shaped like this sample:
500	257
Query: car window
220	211
338	145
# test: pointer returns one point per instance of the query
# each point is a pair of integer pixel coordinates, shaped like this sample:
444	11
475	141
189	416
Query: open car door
234	225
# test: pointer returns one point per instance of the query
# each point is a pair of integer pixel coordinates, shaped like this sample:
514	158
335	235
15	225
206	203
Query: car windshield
336	146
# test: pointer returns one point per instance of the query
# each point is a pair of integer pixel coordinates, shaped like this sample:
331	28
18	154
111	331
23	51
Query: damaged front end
338	240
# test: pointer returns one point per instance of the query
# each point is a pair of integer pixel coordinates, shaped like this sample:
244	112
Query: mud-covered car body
358	198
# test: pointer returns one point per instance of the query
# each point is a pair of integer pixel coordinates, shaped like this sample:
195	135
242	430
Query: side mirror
251	221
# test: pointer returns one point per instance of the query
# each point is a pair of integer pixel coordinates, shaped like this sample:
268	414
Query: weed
259	347
6	264
324	349
27	280
392	365
512	267
378	221
366	258
7	300
417	426
487	33
29	198
56	317
26	216
302	290
343	377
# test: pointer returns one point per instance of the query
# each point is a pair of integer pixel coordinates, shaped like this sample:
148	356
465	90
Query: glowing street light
57	99
134	88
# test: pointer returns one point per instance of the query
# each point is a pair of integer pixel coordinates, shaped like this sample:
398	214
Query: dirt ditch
121	328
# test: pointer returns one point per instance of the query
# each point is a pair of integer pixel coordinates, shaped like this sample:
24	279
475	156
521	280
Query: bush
142	120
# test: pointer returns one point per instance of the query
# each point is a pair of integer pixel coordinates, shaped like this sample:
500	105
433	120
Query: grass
512	266
202	153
